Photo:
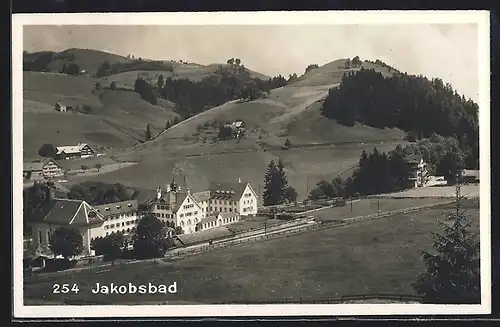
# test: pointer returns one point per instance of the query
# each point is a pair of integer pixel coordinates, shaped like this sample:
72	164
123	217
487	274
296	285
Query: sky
446	51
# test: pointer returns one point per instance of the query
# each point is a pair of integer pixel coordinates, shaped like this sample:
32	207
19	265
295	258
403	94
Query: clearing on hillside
124	111
66	129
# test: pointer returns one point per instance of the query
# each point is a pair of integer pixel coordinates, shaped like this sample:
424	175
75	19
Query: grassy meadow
378	256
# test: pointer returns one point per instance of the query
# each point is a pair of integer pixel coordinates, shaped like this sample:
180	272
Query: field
371	206
59	129
304	167
470	190
378	256
121	114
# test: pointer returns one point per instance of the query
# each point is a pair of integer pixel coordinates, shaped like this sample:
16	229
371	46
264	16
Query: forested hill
414	104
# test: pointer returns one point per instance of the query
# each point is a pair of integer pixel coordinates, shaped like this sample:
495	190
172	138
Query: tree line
194	97
411	103
380	172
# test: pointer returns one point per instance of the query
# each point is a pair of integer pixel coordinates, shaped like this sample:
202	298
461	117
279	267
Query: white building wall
248	203
121	223
188	215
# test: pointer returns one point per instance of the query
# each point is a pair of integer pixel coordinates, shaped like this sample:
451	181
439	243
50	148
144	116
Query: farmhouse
60	107
417	171
38	170
223	203
81	150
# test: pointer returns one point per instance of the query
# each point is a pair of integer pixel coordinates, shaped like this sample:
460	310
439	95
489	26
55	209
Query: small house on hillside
60	107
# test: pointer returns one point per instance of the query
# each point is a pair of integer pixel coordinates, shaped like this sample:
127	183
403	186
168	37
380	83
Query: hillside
120	116
87	59
292	111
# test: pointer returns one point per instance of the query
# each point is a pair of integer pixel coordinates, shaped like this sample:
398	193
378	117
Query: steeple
173	185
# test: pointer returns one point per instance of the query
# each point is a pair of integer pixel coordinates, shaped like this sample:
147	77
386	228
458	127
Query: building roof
73	212
470	173
39	164
227	191
71	148
208	219
201	196
180	197
117	208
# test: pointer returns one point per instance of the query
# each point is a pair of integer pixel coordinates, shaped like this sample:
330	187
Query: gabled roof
180	197
71	148
117	208
227	191
201	196
39	164
73	212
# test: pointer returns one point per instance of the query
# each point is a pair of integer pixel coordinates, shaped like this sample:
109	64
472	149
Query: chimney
158	193
188	191
168	188
239	180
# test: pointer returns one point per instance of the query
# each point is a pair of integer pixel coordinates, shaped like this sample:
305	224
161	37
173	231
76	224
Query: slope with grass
291	112
375	257
120	117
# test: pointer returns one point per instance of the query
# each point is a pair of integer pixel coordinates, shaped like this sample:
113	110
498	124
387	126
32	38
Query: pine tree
281	182
452	273
271	189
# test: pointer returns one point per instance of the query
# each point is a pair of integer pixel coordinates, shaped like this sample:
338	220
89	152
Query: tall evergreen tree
452	273
281	181
271	195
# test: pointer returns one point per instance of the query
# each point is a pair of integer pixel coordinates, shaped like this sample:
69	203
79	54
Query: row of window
164	215
187	206
125	215
248	201
130	222
124	231
225	202
223	222
247	209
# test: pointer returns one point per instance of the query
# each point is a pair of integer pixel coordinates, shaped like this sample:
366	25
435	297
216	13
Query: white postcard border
255	18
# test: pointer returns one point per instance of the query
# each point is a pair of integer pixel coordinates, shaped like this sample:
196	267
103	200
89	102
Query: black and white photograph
251	164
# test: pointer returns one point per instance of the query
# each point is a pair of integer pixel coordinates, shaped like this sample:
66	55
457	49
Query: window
118	207
107	209
107	233
39	236
181	215
129	205
230	209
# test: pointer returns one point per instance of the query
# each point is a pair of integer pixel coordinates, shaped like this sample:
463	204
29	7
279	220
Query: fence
244	239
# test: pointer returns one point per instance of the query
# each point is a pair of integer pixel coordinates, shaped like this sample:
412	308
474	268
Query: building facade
190	211
76	214
418	175
119	217
45	169
91	222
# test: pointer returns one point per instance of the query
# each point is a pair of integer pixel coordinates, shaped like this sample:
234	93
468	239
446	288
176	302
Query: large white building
90	221
222	204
